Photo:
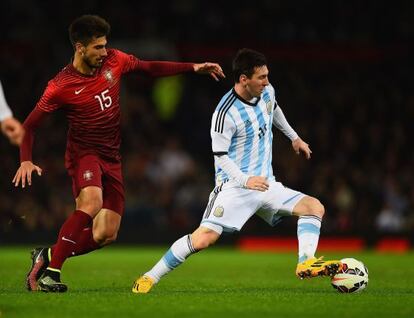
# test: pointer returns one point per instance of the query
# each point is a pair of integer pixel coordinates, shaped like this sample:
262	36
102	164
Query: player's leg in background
106	226
310	212
179	251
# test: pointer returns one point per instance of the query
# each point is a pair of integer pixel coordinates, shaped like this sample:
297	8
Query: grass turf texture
215	283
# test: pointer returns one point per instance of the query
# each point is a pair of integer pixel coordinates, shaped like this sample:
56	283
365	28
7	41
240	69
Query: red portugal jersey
91	104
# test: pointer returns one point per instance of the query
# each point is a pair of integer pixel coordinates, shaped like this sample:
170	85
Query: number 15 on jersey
105	101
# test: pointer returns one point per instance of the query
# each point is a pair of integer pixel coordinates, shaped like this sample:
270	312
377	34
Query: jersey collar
245	101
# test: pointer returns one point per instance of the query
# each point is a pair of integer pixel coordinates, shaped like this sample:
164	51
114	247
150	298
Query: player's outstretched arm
169	68
300	146
213	69
24	173
13	130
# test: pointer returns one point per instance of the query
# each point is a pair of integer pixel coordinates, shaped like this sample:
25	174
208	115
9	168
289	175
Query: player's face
259	80
95	52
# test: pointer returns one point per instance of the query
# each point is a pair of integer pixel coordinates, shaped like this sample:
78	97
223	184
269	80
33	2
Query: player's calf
104	237
203	238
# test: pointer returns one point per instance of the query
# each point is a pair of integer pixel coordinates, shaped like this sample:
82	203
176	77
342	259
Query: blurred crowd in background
342	71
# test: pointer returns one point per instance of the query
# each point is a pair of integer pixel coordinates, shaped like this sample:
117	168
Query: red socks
70	238
85	244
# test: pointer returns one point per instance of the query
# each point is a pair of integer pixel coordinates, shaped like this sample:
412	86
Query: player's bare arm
300	146
213	69
257	183
13	130
24	173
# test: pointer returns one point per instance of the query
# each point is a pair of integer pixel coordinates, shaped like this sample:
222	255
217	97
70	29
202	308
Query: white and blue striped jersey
243	131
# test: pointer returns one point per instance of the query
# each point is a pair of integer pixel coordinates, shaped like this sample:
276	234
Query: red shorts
90	170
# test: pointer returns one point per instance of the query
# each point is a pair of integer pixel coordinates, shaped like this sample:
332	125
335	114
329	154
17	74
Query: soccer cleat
142	285
317	267
40	261
48	284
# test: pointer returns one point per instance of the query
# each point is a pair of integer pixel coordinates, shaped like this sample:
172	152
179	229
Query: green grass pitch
219	282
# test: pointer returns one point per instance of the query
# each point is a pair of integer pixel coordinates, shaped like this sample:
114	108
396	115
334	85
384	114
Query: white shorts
230	206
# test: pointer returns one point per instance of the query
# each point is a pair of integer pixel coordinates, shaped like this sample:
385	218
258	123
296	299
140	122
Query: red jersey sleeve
49	101
130	63
29	125
47	104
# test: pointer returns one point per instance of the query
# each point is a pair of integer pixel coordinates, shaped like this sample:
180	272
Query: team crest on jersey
269	107
109	76
218	212
268	102
87	175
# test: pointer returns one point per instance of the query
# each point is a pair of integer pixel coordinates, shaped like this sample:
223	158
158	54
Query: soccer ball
352	278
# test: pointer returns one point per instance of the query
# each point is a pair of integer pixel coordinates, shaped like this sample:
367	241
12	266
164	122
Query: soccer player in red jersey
88	91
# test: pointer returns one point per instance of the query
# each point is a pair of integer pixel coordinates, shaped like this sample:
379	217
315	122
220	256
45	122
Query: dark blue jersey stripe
222	115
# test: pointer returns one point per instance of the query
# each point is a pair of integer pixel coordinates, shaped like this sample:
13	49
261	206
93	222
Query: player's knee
316	208
92	204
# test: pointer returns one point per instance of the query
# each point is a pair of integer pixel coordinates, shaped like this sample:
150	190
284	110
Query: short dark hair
87	27
246	61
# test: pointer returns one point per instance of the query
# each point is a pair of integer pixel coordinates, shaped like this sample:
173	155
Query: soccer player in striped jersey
241	133
87	90
10	126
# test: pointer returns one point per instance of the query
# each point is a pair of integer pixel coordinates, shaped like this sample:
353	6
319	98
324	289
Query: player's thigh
230	207
279	201
85	172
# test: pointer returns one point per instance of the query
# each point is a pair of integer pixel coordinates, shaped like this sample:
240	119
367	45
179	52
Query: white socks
178	252
308	236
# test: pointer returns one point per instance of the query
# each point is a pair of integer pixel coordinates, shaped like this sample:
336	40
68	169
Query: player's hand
13	130
25	173
299	145
257	183
213	69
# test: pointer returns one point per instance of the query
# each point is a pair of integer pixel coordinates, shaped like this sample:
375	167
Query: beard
92	64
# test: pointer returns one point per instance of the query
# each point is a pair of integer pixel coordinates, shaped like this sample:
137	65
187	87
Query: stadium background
342	72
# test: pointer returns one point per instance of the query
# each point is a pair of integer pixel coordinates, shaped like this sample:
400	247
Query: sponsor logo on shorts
218	212
87	175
